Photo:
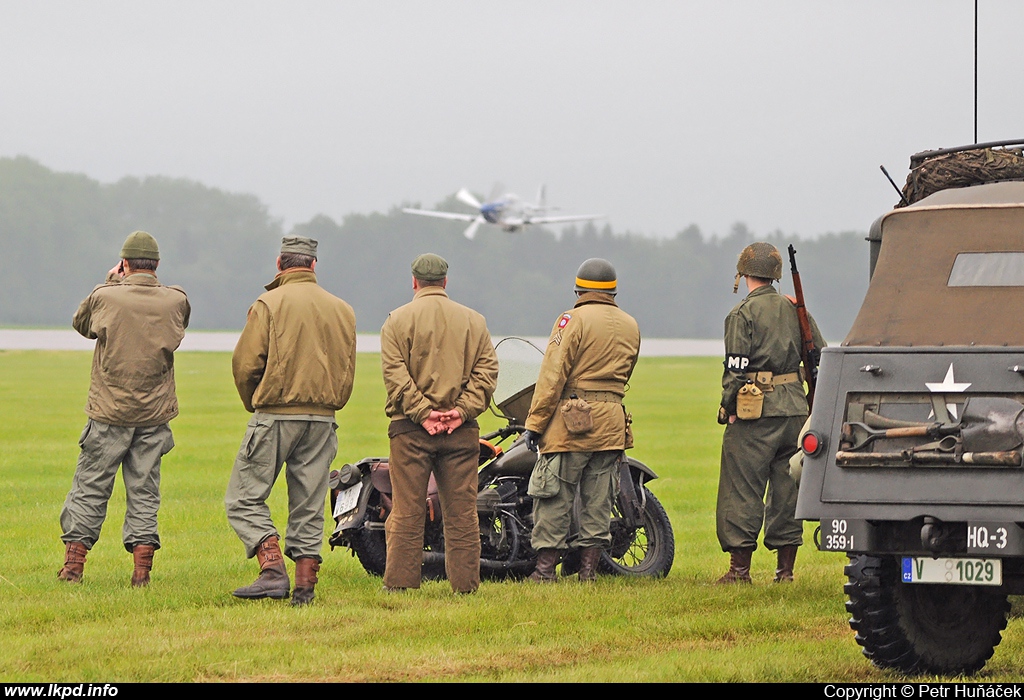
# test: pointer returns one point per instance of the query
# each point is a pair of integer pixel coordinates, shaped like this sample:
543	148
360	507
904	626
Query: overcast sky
658	114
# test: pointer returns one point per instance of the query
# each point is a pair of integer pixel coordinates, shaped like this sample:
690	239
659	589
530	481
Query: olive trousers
104	448
593	474
453	459
755	455
307	445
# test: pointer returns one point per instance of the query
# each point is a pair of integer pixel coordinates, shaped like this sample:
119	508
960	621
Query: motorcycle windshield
518	366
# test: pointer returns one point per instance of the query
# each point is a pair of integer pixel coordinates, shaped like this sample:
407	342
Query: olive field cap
429	267
596	275
140	246
299	245
758	260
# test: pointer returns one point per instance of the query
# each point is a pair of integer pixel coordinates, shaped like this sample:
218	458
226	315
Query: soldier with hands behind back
138	324
294	365
577	421
440	371
763	408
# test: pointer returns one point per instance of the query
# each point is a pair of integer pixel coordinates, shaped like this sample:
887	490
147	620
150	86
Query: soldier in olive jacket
590	356
762	349
440	371
294	365
137	324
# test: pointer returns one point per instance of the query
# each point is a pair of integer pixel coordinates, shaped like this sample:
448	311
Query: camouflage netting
961	169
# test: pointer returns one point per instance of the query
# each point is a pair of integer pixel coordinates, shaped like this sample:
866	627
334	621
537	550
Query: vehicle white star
949	385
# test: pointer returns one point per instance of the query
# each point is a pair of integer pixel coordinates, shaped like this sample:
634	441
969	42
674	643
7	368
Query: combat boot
273	579
739	566
547	560
589	557
142	554
786	560
74	562
306	569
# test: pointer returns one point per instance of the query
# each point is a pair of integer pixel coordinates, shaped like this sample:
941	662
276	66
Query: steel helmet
758	260
596	275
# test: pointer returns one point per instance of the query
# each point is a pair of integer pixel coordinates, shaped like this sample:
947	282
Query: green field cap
140	245
429	267
299	245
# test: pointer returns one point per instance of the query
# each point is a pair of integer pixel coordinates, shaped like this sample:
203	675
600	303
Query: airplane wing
564	219
442	214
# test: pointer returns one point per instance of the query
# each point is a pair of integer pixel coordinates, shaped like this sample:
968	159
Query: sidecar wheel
649	550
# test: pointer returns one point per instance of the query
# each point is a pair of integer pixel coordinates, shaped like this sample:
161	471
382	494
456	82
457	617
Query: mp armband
736	363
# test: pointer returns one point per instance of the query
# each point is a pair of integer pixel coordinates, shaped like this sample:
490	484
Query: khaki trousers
755	455
307	446
593	474
104	448
454	460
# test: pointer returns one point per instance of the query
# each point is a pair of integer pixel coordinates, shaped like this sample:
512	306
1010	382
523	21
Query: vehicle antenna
898	190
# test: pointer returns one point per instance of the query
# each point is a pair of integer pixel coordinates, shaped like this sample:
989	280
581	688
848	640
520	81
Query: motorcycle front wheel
647	550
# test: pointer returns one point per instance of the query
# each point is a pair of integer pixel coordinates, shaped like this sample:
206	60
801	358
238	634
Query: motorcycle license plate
347	500
974	572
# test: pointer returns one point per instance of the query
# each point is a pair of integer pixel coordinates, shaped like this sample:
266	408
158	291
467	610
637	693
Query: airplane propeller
466	197
471	231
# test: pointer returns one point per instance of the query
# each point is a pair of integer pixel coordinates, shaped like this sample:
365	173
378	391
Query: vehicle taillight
811	443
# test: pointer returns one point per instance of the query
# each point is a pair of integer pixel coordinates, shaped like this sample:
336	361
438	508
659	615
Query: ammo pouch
749	401
576	414
544	478
629	429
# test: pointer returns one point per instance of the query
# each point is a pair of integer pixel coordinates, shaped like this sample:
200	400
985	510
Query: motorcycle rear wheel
648	550
370	549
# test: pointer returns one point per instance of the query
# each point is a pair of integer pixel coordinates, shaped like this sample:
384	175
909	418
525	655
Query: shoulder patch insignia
736	363
564	321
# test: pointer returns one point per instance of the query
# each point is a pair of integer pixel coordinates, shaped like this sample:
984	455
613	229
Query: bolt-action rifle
808	353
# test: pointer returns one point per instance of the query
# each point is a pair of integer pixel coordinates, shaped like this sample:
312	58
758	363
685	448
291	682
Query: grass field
187	627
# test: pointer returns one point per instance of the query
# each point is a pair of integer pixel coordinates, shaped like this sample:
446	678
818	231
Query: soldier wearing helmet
763	408
577	421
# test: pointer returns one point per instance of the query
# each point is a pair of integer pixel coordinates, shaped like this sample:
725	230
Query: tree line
61	232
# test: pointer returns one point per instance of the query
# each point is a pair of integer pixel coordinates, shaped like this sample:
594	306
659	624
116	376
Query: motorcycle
642	544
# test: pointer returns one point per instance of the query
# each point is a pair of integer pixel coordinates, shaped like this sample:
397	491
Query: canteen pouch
749	402
629	429
576	414
544	478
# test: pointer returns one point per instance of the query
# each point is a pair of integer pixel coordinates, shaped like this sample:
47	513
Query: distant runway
216	341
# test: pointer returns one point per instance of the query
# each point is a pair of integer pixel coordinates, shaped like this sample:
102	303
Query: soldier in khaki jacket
440	371
137	324
762	349
293	367
590	357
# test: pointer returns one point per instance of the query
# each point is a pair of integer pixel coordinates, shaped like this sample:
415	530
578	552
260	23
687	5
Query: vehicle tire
921	628
370	549
649	550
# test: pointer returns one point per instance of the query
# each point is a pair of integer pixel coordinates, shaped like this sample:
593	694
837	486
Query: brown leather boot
143	556
74	562
547	560
273	579
589	557
739	566
306	569
786	560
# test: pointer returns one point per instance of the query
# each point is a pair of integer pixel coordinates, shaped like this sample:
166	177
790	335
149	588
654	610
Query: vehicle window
987	270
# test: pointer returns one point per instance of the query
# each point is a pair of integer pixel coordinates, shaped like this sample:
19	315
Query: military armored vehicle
913	453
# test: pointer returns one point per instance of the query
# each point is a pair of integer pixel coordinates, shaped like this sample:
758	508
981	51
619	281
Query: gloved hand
723	416
532	439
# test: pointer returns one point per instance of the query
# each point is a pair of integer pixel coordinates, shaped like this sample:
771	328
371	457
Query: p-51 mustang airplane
506	211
